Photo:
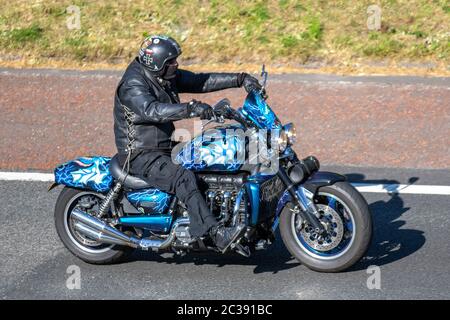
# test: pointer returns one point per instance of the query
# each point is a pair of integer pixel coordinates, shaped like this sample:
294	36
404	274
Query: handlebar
222	110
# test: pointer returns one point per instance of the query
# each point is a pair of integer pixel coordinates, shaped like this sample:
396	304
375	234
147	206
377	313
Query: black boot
223	236
200	217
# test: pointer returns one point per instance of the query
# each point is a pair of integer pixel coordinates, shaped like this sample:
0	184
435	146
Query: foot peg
262	244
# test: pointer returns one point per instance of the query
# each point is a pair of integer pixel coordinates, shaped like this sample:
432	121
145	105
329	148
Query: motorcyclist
145	107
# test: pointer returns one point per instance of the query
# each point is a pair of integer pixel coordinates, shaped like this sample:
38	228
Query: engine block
221	194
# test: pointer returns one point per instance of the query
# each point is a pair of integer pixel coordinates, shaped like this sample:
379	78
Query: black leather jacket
145	106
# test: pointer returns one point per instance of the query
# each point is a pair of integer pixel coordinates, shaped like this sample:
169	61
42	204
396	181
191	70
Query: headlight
291	133
282	141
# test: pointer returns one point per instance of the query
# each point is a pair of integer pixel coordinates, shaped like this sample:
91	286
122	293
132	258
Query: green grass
20	36
314	29
271	31
382	47
289	41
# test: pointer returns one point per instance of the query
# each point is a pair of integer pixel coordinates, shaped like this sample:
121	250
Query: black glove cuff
240	78
190	108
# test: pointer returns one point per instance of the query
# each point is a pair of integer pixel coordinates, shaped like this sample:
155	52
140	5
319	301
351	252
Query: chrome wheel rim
339	222
82	242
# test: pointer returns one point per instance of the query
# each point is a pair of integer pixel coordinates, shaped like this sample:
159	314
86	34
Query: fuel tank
216	149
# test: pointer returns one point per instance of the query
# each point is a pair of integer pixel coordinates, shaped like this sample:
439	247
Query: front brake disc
332	222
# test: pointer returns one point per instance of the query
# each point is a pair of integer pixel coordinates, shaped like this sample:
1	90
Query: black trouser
158	169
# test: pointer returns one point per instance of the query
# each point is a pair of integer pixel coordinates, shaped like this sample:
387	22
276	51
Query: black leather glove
250	83
200	109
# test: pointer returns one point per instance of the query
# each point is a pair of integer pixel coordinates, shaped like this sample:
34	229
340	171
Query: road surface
411	246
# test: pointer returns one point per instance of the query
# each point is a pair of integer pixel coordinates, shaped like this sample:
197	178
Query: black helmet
157	50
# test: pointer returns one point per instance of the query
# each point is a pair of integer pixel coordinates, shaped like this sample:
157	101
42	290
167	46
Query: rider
146	105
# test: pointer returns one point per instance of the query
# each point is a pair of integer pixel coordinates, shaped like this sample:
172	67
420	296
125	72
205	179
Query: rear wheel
345	215
87	249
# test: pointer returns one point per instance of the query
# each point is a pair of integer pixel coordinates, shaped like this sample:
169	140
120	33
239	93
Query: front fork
308	210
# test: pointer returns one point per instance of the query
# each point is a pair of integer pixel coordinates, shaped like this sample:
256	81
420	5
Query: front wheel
345	215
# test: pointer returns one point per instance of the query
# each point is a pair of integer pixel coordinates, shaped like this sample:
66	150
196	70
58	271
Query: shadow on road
276	258
389	244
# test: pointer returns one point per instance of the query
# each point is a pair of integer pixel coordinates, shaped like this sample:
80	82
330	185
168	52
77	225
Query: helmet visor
170	69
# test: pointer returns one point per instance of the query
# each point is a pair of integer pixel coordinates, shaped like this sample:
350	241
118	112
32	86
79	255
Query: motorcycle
103	213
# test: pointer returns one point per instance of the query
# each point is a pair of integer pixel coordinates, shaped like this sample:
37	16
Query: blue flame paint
150	201
256	109
86	172
216	149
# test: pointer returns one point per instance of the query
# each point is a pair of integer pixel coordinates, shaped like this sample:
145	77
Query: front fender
321	179
311	185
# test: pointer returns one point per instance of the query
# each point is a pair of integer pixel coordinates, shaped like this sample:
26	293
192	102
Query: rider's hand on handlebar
250	83
200	109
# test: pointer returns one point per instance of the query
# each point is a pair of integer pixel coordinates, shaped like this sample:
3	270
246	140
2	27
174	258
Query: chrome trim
291	133
97	235
98	229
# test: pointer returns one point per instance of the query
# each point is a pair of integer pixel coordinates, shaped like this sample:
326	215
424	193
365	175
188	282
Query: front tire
84	248
346	215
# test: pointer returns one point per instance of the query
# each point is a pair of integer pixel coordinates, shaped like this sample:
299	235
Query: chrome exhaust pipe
97	235
100	226
99	230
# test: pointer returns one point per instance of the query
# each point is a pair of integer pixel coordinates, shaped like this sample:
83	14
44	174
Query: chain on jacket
131	131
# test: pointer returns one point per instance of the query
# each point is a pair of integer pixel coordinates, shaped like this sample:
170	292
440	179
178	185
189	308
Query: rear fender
53	185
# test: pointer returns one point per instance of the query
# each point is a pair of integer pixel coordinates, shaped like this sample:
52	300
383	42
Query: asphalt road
411	246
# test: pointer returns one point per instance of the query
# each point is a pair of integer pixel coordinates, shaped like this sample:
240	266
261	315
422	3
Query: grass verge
287	35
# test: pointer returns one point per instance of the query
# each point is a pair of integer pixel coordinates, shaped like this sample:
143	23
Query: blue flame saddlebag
90	173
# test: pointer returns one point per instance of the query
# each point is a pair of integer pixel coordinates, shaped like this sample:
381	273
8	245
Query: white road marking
27	176
362	187
402	188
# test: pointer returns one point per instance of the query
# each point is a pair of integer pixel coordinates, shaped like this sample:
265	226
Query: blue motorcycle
103	213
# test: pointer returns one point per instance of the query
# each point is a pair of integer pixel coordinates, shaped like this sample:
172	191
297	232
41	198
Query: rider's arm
138	97
191	82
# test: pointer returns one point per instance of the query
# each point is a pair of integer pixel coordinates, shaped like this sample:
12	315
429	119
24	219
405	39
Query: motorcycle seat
128	181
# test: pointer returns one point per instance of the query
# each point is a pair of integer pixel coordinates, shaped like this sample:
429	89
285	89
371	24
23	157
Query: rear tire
357	246
95	253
